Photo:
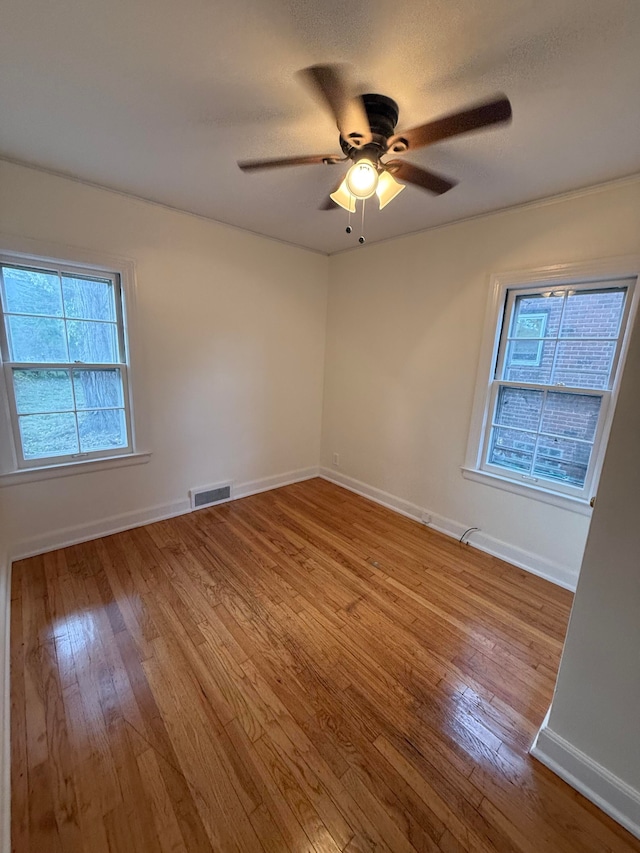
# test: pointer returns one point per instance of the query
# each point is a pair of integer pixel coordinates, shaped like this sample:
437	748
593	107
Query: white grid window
554	373
65	361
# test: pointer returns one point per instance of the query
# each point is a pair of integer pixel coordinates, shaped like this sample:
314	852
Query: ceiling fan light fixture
343	197
362	179
388	188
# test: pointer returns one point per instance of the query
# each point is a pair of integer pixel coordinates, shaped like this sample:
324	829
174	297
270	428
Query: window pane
92	342
102	430
562	459
571	415
584	364
534	312
556	339
519	407
512	449
526	353
529	361
36	339
530	325
42	391
48	435
593	314
98	389
30	292
88	299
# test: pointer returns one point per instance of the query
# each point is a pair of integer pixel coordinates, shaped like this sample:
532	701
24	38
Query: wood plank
301	670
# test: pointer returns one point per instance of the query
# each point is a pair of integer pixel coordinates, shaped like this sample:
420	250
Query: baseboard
66	536
527	560
5	705
619	800
73	536
560	575
126	521
254	487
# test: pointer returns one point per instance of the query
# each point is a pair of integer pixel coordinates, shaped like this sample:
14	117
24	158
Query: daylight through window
554	373
65	363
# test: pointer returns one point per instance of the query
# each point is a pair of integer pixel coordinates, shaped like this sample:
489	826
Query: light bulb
362	179
343	197
387	189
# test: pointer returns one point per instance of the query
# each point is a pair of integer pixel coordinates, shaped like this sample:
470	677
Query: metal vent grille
207	497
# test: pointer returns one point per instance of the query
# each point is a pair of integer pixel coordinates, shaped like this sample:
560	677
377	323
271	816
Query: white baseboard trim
254	487
5	705
542	567
73	536
619	800
66	536
126	521
527	560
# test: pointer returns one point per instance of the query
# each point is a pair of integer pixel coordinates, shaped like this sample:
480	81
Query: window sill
579	505
47	472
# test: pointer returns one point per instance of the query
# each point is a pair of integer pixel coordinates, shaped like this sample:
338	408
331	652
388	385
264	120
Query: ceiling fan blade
254	165
347	108
420	177
484	115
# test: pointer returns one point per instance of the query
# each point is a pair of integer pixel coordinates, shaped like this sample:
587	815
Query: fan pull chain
349	229
361	237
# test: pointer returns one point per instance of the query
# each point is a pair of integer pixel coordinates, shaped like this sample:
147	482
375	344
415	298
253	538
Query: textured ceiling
159	99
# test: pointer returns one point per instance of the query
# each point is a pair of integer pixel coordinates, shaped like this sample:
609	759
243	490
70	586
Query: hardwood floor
301	671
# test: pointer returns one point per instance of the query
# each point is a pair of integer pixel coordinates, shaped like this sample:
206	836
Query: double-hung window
64	355
555	368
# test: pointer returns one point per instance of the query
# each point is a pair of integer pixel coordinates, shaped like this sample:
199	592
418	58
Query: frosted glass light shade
343	197
362	179
387	189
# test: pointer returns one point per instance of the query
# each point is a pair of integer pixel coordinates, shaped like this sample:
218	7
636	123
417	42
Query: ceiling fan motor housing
367	125
382	113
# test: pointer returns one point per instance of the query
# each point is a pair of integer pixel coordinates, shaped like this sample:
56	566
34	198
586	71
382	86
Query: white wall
592	736
404	332
232	333
231	329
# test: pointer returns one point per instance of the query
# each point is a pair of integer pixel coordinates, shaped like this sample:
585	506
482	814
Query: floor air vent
210	496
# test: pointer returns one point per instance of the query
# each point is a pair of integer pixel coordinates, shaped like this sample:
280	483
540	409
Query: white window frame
41	256
596	274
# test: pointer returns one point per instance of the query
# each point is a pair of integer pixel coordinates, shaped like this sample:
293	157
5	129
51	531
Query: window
553	375
528	338
65	363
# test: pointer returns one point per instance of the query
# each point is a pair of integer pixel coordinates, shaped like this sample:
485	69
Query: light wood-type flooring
302	671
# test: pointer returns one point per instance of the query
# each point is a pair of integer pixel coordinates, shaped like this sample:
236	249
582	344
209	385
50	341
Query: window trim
122	365
592	272
40	255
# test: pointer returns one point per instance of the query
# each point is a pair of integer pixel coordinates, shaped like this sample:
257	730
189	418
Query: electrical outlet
336	459
425	518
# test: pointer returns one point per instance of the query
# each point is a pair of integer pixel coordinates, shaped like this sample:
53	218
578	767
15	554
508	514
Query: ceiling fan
367	125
